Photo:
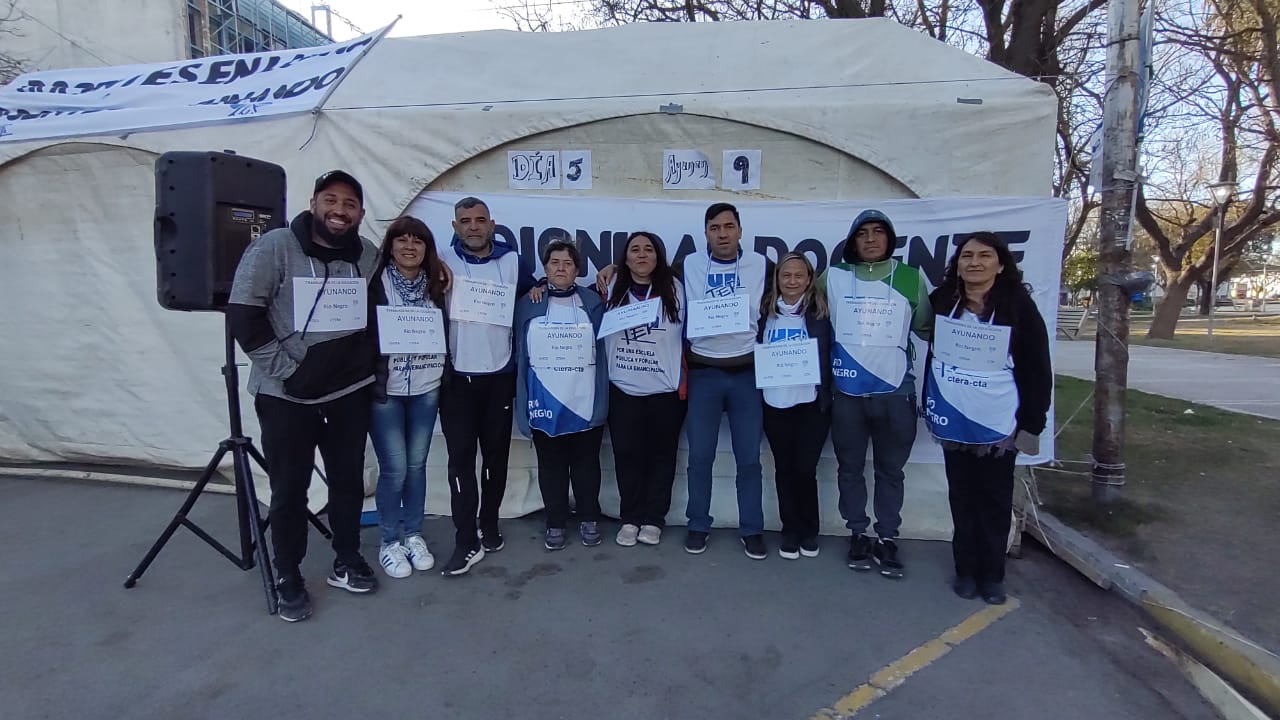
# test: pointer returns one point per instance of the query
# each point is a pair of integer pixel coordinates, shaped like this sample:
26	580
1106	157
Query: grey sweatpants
888	422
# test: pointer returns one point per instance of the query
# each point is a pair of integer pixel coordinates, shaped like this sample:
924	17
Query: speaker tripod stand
253	548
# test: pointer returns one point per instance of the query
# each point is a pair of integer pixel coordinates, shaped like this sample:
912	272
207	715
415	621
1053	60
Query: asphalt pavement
608	631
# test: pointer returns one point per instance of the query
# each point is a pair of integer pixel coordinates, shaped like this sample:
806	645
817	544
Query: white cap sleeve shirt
646	360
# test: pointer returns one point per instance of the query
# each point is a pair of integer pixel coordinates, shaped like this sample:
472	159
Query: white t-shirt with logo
646	360
708	278
787	326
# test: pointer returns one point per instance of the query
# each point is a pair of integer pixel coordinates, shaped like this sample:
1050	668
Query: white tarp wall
95	371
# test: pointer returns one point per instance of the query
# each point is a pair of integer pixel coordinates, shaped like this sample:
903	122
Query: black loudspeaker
209	207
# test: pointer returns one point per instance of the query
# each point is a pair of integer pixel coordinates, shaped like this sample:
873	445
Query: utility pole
1119	173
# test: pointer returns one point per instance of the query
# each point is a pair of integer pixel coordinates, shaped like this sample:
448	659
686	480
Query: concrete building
51	34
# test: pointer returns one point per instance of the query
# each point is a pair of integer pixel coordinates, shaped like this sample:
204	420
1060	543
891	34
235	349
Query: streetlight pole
1221	192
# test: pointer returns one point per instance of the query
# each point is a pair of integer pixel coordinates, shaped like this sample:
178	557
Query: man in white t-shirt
480	383
723	287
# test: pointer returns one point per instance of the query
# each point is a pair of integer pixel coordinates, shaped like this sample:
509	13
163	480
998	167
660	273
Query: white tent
96	372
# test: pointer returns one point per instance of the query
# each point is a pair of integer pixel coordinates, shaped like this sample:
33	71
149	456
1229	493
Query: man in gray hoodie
298	308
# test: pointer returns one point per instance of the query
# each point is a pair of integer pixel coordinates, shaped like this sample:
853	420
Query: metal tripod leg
180	518
251	519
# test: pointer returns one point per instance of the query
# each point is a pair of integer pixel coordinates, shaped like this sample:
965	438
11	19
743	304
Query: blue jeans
712	392
888	423
401	432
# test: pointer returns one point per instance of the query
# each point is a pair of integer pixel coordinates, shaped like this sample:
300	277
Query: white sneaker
419	555
627	535
650	534
395	560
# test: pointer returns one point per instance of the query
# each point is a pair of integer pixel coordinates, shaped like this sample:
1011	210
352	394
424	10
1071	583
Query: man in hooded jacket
297	308
876	302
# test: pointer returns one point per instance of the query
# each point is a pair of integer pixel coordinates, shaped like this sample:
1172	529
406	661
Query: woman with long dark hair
987	397
646	404
406	394
797	418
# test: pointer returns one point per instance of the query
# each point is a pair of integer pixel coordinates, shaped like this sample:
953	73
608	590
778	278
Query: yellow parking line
897	672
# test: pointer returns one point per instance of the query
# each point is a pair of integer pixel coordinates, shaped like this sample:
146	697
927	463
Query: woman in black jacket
987	396
406	301
797	418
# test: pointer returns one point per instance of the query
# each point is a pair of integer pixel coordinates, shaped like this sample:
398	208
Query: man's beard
322	231
486	244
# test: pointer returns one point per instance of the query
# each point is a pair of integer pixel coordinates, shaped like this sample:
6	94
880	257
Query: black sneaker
885	553
965	587
809	546
353	575
860	553
695	542
293	602
491	540
789	549
754	547
462	560
993	593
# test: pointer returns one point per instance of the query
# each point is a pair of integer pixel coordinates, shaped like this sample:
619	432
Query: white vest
974	407
705	278
561	395
875	368
646	360
481	348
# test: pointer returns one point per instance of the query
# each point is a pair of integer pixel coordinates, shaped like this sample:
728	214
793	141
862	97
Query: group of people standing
680	349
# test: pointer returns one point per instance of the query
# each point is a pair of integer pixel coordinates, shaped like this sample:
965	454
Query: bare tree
1230	126
533	15
617	12
1058	42
11	66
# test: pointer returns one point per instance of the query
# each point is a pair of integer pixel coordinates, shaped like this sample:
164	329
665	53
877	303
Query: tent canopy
937	120
95	371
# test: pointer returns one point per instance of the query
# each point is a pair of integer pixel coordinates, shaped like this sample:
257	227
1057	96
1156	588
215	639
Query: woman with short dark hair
562	393
987	396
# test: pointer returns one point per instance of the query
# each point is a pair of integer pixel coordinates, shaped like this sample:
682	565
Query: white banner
928	231
133	98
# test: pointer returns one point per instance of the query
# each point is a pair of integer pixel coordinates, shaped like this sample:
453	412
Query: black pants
981	492
645	432
796	436
564	460
291	432
477	409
